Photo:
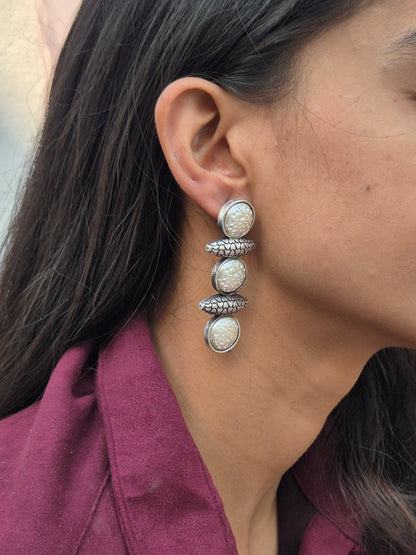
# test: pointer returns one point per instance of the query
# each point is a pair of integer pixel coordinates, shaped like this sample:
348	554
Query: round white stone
224	333
231	275
238	220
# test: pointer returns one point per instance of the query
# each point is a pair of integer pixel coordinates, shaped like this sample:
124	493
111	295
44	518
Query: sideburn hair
95	235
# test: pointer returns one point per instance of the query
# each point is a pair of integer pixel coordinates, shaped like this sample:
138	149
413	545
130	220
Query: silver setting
229	275
228	248
223	304
236	218
222	333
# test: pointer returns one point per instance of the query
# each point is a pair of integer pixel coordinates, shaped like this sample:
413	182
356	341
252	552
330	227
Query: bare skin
331	173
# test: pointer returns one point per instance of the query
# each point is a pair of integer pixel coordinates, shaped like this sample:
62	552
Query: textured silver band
223	304
227	247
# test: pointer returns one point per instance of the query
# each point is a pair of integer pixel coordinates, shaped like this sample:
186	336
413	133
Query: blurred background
22	87
31	35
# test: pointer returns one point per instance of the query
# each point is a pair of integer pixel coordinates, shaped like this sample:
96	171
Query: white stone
231	275
238	220
224	333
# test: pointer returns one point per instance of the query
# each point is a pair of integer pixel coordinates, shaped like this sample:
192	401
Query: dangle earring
229	275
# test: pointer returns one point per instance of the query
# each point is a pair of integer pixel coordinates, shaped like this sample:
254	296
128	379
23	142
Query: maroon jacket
104	464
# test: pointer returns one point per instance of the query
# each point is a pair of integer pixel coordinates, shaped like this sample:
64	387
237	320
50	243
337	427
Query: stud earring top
236	218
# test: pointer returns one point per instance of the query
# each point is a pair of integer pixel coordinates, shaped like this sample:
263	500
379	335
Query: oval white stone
224	333
230	275
238	220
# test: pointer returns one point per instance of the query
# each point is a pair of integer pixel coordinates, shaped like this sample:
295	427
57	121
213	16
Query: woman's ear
196	122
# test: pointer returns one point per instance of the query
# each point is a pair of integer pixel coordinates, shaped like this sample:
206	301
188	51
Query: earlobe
192	125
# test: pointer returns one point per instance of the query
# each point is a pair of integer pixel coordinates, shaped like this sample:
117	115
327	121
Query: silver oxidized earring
229	274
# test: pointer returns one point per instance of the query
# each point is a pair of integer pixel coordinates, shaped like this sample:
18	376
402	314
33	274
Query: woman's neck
255	410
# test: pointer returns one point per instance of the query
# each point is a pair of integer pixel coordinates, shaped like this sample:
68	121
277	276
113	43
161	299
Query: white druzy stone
238	220
231	275
224	333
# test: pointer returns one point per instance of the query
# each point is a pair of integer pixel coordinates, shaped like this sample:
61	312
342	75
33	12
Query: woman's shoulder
53	461
68	401
68	382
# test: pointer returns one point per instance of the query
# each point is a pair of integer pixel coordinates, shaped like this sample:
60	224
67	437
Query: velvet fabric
104	463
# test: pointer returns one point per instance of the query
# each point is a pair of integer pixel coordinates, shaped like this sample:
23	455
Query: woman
160	114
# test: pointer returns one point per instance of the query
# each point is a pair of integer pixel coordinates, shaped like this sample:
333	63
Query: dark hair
94	238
